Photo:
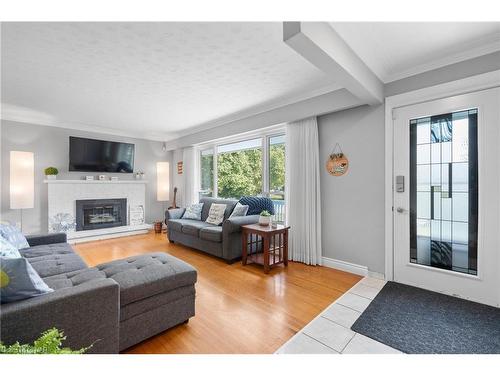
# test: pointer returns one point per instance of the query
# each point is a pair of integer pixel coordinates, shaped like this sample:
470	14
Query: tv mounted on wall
93	155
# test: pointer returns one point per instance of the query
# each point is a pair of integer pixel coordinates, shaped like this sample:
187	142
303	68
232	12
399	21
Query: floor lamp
163	182
22	181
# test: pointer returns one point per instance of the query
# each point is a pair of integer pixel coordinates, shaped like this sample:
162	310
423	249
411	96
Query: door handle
400	210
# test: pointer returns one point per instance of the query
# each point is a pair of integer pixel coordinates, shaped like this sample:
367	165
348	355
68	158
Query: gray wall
51	148
353	228
352	205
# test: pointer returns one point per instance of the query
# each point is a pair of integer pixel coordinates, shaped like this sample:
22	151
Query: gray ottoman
156	293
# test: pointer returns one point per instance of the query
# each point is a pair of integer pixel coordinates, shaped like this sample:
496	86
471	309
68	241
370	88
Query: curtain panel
191	172
303	191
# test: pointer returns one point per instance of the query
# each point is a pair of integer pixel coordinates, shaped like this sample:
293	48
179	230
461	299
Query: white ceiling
164	80
149	79
394	50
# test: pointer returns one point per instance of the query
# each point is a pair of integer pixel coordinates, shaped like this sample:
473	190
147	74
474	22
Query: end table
264	245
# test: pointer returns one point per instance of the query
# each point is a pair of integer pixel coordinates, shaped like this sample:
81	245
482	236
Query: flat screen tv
93	155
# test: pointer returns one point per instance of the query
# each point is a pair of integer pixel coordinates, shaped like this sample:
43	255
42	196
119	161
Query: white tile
342	315
373	282
354	301
361	344
329	333
364	291
303	344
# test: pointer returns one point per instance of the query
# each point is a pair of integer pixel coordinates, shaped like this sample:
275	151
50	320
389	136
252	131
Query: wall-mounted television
94	155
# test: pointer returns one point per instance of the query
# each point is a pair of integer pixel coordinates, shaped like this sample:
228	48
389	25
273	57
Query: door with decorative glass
446	196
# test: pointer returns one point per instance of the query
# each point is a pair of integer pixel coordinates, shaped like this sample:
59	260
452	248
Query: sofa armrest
87	313
46	239
174	213
234	224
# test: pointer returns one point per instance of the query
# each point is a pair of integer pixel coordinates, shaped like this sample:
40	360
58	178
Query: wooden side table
264	245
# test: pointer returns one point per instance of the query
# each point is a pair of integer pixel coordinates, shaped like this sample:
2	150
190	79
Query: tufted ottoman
156	292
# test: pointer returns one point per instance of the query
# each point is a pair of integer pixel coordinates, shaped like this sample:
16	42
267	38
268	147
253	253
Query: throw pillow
216	214
258	204
239	210
12	234
18	280
193	212
7	250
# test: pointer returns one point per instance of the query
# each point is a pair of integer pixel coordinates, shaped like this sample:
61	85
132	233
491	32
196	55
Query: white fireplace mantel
95	182
63	194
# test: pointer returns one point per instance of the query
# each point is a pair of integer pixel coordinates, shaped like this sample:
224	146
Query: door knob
400	210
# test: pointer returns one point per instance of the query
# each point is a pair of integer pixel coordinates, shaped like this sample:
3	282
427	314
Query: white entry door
446	196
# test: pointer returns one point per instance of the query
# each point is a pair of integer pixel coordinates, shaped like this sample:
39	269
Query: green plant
51	171
265	213
50	342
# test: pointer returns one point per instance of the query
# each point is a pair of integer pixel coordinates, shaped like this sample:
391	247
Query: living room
250	187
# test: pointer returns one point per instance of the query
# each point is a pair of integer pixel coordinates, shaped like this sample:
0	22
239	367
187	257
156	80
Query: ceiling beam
320	44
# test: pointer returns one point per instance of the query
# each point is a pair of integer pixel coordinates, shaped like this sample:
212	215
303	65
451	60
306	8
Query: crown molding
25	115
479	47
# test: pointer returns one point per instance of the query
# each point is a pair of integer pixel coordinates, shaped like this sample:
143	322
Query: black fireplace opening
100	213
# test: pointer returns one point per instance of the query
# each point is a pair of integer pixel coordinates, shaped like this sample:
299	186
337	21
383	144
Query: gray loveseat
113	305
223	241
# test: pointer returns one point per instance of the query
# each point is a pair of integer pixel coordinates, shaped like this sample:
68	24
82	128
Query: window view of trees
239	169
277	167
207	172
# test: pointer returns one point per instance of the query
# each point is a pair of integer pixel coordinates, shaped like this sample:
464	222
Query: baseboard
103	234
345	266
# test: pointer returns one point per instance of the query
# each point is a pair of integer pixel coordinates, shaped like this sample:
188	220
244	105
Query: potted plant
158	226
265	218
51	173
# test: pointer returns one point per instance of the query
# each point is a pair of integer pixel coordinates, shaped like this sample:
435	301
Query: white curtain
303	191
190	172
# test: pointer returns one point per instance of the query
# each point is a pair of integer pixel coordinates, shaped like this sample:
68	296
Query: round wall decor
337	163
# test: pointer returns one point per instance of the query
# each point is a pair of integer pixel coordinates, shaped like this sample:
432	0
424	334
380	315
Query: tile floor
330	332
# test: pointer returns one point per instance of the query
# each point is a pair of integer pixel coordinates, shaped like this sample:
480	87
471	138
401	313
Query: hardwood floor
238	309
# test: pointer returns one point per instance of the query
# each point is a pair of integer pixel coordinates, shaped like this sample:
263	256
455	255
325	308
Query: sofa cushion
20	281
193	228
176	224
12	234
216	214
193	212
239	210
230	203
257	204
53	259
7	250
213	234
74	278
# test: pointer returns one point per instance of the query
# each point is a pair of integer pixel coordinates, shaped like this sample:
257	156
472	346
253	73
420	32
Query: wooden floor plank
239	309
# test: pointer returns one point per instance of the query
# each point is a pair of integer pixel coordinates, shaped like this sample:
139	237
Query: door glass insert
444	191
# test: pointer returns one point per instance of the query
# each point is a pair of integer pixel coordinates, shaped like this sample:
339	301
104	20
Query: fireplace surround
100	213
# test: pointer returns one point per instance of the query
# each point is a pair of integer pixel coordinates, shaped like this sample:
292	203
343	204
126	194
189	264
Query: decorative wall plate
337	163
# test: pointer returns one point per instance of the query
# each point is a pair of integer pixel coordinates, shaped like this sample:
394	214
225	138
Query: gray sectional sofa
223	241
112	306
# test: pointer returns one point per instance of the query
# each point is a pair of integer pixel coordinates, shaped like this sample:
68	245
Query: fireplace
100	213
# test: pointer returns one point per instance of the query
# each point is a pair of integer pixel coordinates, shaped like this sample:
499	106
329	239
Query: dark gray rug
418	321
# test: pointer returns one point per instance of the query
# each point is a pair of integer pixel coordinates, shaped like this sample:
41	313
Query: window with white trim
254	166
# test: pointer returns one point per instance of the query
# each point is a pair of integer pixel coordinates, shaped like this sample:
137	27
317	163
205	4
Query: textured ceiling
395	50
148	78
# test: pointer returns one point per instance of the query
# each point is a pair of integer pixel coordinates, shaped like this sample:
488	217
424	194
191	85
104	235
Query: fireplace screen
100	213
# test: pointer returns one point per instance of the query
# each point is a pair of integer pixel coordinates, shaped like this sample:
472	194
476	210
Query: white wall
353	204
51	148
